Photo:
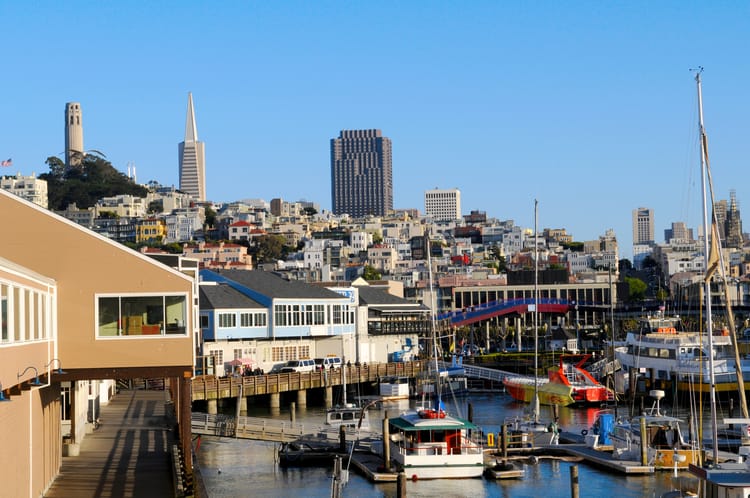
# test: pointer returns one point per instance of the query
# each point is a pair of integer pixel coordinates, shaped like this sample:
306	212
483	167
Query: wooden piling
401	485
574	491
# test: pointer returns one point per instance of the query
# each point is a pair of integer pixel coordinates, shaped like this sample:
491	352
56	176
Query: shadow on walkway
127	456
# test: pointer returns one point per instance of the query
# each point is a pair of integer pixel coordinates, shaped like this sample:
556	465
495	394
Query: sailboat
429	443
720	479
347	414
554	393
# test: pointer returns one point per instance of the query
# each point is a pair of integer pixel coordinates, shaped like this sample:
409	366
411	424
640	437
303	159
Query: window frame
182	330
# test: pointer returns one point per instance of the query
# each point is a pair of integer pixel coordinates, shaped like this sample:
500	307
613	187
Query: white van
327	363
306	365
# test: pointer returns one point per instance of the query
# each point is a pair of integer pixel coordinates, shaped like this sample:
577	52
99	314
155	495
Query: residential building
150	230
30	188
192	158
84	217
73	134
220	255
443	204
361	173
240	230
184	224
124	206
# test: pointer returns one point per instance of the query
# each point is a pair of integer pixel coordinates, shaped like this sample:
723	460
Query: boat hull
549	393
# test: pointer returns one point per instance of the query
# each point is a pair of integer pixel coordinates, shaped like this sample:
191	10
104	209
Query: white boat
430	444
663	355
665	446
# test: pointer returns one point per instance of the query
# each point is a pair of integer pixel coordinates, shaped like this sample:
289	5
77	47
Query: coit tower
73	134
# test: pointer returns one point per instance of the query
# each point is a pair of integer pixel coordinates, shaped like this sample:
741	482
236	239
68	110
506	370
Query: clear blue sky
589	107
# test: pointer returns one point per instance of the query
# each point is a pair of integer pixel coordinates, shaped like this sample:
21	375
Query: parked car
328	362
305	365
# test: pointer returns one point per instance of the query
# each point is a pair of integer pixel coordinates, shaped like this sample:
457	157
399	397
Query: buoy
414	477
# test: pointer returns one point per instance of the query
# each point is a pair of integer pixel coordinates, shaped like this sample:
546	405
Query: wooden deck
128	455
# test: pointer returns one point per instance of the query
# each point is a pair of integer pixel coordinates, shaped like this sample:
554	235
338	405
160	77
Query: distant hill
85	184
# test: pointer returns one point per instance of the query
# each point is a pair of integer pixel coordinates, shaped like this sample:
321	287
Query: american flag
7	162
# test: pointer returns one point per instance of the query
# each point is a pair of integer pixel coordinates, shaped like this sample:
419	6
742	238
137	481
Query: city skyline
591	109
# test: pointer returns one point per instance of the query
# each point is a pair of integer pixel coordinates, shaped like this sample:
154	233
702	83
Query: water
241	468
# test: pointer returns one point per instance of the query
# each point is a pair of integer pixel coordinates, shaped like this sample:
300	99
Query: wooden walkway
127	456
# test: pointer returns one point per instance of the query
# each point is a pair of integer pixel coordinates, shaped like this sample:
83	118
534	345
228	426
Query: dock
606	460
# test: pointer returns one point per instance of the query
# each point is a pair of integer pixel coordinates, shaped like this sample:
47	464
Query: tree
310	211
371	273
269	248
86	183
156	206
210	216
625	265
636	289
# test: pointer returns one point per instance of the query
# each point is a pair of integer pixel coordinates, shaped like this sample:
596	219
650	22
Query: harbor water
242	468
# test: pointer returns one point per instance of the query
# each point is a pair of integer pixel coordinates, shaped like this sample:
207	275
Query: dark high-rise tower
192	158
361	173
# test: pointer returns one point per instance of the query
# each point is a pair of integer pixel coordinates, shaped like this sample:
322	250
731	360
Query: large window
141	315
227	320
23	314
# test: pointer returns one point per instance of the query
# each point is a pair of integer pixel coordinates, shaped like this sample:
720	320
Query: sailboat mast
536	313
707	231
433	327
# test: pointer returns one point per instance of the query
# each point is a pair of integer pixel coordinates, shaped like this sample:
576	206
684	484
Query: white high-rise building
73	134
443	205
192	159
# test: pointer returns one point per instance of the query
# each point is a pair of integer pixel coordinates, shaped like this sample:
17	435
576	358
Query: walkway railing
483	373
260	429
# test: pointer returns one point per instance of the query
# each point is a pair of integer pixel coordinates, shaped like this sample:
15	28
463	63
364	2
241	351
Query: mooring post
342	439
504	439
401	486
574	481
386	444
644	442
293	411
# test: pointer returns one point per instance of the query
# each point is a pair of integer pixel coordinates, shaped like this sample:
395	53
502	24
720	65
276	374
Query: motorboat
664	444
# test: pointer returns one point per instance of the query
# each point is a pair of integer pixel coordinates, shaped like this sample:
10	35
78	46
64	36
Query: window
246	319
140	315
319	314
260	320
227	320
